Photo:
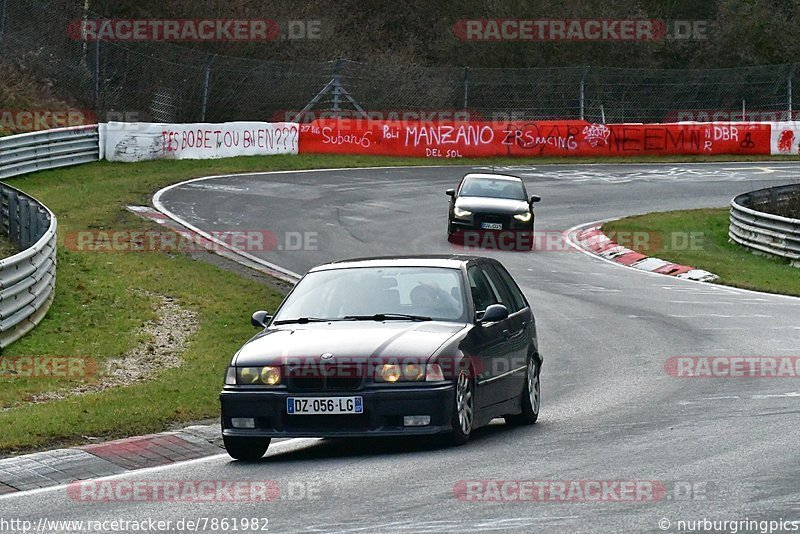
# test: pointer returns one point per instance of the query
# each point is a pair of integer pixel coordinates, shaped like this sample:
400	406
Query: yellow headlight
413	371
271	376
458	212
389	372
268	376
249	375
524	217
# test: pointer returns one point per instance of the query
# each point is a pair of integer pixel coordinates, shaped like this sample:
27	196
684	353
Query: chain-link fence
170	83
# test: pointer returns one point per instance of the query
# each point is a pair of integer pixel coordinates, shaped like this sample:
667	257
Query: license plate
324	405
491	226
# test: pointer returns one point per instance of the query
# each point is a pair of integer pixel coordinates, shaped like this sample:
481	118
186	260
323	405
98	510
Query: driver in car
431	300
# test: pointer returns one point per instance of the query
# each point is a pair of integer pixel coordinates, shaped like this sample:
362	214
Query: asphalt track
610	412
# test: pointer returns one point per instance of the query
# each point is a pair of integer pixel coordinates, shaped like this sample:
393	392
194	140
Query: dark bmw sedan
399	346
491	211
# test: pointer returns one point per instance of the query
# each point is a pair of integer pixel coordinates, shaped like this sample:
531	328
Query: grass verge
670	237
7	249
99	310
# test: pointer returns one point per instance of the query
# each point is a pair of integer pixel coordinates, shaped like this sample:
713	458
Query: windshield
431	292
493	188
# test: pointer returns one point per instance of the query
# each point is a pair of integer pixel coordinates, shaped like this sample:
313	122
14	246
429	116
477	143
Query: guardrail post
24	224
44	222
33	217
13	218
3	212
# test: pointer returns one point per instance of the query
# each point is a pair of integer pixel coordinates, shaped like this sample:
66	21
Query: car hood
492	205
347	341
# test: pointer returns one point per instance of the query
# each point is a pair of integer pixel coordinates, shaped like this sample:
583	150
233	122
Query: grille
326	377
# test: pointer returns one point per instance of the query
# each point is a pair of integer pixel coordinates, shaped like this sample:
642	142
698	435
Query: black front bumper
384	409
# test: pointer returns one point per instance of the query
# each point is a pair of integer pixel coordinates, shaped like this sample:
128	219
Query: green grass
670	238
97	315
6	248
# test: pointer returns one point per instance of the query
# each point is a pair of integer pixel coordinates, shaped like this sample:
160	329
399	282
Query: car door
520	321
491	340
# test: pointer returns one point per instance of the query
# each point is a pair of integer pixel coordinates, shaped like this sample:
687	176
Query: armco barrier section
531	139
752	227
27	279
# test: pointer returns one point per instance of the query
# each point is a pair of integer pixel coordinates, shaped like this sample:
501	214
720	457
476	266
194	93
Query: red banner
530	139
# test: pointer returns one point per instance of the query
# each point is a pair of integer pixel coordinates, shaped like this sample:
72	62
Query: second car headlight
260	376
392	372
461	214
524	217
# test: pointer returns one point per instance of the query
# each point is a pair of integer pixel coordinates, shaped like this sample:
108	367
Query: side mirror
260	318
450	192
494	313
535	198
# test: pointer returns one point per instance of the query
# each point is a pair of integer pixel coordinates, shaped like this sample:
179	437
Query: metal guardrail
765	232
28	279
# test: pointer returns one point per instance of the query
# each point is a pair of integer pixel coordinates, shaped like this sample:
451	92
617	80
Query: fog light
416	420
243	422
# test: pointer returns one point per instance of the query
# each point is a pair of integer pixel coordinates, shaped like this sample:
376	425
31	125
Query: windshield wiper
387	317
304	320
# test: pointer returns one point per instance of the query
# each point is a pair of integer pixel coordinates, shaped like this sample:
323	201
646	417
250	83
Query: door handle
507	334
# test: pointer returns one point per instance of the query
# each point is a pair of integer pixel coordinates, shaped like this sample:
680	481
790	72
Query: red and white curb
63	466
593	240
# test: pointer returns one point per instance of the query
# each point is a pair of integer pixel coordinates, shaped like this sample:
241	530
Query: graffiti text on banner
527	139
139	141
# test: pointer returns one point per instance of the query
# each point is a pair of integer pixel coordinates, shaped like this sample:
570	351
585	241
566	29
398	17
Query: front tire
245	448
531	397
463	410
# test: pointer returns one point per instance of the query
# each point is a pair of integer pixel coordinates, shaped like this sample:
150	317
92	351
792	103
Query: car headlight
461	214
523	217
413	371
260	376
392	372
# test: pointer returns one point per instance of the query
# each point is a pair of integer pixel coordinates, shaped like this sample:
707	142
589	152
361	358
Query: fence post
2	19
96	75
789	90
206	86
466	87
583	84
337	83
